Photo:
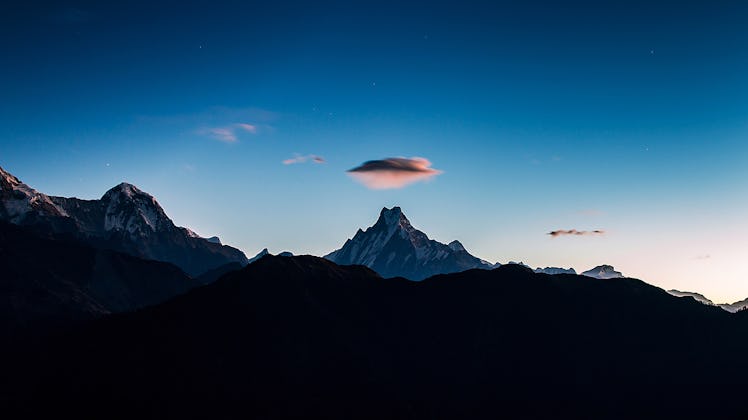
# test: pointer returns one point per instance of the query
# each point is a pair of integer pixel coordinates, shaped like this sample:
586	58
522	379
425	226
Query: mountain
46	284
266	252
603	272
698	297
729	307
125	219
555	270
301	337
734	307
393	247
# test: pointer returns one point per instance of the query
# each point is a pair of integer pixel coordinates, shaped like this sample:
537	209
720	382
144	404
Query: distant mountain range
555	270
729	307
394	248
301	337
125	219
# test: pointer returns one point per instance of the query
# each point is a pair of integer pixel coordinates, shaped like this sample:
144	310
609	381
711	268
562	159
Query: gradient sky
624	117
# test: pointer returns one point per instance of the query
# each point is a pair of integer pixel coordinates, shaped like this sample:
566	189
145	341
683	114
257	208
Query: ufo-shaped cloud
395	172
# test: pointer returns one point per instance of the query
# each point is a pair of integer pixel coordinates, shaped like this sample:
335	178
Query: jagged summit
555	270
125	219
456	246
126	189
604	271
8	178
393	247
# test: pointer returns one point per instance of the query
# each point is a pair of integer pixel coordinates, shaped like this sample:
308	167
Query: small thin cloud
303	159
702	257
250	128
574	232
230	133
396	172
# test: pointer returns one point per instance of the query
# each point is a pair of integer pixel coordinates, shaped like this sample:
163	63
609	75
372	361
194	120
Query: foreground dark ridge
301	336
48	284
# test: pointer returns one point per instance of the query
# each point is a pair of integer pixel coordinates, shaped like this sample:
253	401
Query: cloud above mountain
574	232
395	172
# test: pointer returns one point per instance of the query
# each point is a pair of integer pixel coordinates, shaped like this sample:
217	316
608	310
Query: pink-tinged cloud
230	133
225	135
574	232
304	159
247	127
394	172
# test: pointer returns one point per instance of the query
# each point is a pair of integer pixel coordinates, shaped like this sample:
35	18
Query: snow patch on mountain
555	270
696	296
393	247
603	272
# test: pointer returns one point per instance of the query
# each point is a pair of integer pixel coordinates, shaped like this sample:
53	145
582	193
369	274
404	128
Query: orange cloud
574	232
393	172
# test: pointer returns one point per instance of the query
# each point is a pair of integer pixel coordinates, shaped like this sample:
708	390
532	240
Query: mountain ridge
343	342
393	247
125	219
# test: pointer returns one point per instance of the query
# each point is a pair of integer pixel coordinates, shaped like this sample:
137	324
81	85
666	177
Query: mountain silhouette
303	337
47	284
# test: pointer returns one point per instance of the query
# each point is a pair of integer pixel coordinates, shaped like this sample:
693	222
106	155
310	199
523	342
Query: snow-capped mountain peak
130	209
393	247
456	246
603	272
18	201
8	178
125	219
555	270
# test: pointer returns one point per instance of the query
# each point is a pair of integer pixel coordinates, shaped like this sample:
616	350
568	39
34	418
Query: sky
289	125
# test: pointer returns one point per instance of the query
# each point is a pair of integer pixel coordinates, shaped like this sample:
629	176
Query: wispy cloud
394	172
303	159
702	257
574	232
230	133
250	128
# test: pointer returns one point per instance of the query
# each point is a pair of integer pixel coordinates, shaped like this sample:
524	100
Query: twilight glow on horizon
566	135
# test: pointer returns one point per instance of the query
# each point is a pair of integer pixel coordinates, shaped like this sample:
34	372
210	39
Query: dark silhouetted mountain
603	272
392	248
212	275
45	284
555	270
125	219
259	255
303	337
266	252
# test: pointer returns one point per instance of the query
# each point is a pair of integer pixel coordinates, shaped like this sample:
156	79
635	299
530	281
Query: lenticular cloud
393	172
574	232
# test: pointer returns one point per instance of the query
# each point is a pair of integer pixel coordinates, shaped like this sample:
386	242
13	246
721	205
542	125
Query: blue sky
631	118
